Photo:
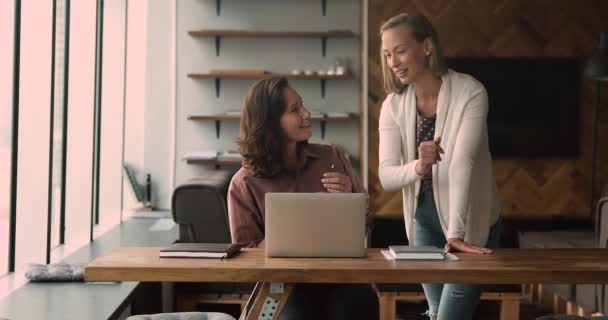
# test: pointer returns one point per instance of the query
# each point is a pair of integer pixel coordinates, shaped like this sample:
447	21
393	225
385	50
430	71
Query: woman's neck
291	156
427	86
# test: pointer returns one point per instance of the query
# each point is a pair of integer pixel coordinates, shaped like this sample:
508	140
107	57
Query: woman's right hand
429	153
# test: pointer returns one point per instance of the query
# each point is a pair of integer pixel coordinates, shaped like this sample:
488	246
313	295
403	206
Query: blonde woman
434	147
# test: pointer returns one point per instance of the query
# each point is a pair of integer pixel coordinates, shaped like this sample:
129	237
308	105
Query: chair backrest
199	208
601	219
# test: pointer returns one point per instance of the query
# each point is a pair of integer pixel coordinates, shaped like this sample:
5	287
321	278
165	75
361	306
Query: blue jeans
446	301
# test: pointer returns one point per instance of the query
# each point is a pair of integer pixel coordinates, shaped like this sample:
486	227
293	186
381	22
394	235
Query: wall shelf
219	34
218	118
247	75
252	60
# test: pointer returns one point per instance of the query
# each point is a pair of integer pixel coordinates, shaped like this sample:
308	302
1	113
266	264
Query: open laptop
315	224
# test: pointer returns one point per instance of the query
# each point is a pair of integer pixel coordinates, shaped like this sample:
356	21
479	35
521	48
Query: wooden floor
487	310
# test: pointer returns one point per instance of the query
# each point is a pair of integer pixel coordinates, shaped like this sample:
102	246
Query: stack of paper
229	156
338	114
233	112
316	115
201	155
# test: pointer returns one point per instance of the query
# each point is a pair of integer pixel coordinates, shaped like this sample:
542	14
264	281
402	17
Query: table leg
267	301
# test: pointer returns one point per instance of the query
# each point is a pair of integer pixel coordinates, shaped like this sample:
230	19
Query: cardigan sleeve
471	134
392	173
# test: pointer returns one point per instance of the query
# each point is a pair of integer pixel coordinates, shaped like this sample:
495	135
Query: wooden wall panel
530	189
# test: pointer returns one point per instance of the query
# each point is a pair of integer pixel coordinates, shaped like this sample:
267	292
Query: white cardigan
464	186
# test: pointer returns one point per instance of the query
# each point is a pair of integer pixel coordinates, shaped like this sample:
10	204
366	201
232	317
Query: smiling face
295	120
405	57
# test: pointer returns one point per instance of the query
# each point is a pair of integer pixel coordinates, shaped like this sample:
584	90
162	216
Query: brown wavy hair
421	29
261	139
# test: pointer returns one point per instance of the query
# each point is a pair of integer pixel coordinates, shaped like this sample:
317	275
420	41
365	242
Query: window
59	108
7	20
35	57
80	114
67	66
112	113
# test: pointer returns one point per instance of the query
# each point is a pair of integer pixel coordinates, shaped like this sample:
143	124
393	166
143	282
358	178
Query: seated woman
273	140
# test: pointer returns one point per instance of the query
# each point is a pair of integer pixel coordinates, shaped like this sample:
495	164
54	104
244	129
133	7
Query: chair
199	208
585	298
183	316
569	317
601	228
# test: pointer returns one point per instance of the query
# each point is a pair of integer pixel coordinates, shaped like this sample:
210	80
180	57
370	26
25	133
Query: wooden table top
505	266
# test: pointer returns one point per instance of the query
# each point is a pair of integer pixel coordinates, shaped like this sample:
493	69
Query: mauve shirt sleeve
246	221
357	188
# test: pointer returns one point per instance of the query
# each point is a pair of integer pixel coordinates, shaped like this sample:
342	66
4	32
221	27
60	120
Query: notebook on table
200	250
416	252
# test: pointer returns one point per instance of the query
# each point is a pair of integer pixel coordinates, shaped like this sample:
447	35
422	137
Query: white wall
160	96
149	129
277	55
159	103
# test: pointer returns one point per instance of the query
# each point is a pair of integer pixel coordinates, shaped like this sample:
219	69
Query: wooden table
276	276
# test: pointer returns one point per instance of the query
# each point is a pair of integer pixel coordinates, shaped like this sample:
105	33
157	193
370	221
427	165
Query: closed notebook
417	252
200	250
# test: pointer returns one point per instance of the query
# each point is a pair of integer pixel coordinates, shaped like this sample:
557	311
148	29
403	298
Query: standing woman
273	140
434	147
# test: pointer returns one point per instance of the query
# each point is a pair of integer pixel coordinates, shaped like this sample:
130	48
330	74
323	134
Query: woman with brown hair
273	140
434	147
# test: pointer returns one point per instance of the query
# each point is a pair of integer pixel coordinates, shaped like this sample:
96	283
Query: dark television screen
533	104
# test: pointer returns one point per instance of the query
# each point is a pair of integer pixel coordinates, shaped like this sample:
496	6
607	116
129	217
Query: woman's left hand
458	245
337	182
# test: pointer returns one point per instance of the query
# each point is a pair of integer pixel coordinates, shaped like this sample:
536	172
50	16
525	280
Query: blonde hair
421	29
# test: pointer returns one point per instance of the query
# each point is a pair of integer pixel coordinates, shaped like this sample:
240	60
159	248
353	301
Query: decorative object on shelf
248	74
340	67
218	34
143	193
597	69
